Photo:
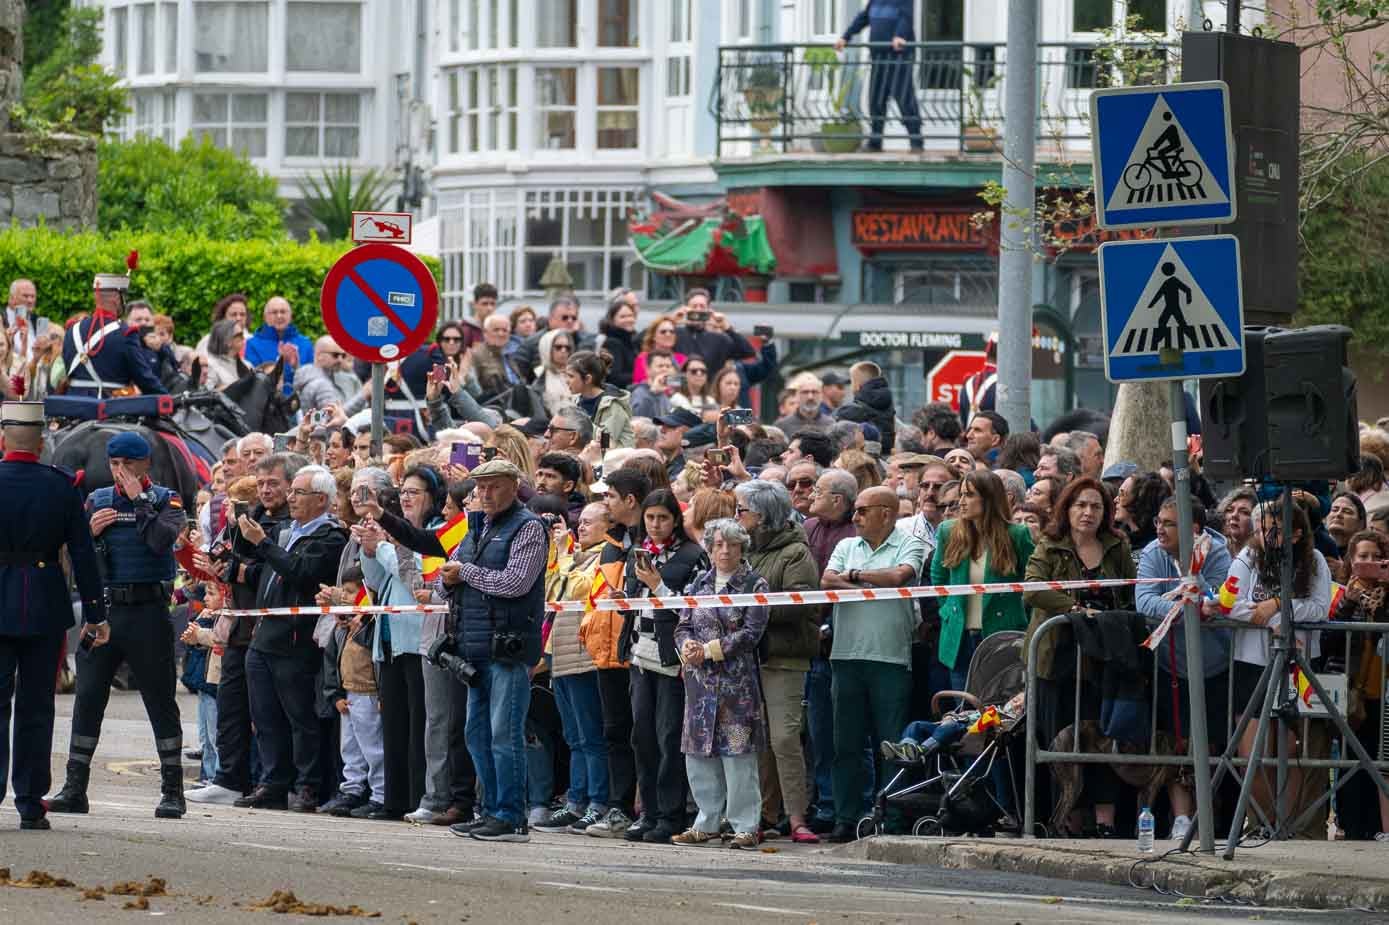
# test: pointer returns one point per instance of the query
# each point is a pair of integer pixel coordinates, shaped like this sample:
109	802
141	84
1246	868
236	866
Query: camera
675	381
508	646
736	417
442	655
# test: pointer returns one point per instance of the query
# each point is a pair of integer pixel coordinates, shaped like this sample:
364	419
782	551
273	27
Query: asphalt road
219	861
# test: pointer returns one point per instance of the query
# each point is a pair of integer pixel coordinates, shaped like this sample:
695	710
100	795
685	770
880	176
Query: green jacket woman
1001	611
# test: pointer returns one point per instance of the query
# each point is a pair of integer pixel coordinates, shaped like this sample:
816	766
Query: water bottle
1145	832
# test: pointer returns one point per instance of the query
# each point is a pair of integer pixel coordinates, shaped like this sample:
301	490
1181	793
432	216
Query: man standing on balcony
890	31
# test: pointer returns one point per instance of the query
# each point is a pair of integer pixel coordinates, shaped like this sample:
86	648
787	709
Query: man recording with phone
495	581
708	334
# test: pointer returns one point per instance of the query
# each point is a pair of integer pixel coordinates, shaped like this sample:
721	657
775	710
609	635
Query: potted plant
842	133
763	92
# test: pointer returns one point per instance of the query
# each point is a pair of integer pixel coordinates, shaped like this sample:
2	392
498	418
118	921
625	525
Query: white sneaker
1180	826
1382	836
537	815
421	816
212	793
614	825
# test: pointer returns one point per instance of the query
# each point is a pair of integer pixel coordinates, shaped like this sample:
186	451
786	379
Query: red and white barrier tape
1189	591
771	599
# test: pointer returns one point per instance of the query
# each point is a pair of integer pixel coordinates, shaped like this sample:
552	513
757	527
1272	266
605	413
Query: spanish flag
1228	593
989	719
1338	592
555	553
431	566
363	598
1304	687
602	585
452	533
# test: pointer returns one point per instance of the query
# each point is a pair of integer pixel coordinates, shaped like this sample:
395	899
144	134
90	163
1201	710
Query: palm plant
337	192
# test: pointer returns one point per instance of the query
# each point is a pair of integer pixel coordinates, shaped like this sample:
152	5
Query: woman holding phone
661	563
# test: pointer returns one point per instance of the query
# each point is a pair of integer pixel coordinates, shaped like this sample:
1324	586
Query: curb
1196	877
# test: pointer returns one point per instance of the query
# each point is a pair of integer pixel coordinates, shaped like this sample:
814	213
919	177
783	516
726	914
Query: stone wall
53	182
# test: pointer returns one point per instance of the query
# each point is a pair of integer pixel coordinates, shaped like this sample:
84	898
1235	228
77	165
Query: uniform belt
145	593
400	405
81	382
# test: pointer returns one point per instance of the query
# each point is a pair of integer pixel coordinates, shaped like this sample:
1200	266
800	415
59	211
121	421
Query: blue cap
870	431
127	445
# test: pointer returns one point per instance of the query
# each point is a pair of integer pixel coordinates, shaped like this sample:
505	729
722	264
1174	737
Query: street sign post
380	303
946	379
1163	155
1170	309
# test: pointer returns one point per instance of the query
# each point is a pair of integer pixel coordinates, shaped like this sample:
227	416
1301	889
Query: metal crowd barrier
1338	685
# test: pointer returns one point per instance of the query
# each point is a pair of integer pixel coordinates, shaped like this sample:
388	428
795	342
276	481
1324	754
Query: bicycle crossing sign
1163	155
1171	309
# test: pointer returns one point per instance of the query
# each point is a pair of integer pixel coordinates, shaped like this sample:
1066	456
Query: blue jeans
540	765
496	732
581	713
820	722
207	733
959	675
950	732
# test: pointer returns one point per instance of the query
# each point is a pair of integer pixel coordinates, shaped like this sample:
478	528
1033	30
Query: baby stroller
953	796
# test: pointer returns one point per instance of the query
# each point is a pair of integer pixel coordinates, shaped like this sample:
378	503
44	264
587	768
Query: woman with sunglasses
696	394
556	347
660	334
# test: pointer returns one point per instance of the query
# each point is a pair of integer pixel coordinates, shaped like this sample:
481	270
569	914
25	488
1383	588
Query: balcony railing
779	99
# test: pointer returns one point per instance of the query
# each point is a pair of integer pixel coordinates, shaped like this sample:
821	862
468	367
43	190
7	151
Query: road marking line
747	908
580	886
251	844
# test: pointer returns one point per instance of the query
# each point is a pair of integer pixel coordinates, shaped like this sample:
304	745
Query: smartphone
717	457
735	417
489	453
282	443
321	417
440	373
643	559
763	331
240	509
604	441
85	643
1374	571
675	381
697	316
467	455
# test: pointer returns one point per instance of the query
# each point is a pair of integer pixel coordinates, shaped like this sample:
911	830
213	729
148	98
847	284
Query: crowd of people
638	471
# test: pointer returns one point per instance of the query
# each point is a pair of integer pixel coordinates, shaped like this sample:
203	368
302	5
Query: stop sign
947	378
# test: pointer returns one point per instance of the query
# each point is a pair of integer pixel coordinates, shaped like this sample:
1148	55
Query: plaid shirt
529	553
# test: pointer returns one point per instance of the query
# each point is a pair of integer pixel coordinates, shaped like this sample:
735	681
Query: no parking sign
379	302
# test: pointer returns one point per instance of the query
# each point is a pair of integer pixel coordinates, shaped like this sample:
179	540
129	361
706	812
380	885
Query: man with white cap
43	513
136	524
101	354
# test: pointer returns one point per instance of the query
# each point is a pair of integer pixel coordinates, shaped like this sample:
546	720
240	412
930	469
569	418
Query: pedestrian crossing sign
1172	309
1163	155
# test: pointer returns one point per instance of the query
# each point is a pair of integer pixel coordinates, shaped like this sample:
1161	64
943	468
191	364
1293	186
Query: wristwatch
854	576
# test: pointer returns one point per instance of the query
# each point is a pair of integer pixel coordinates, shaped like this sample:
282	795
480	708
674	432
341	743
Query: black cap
703	435
535	427
679	417
834	378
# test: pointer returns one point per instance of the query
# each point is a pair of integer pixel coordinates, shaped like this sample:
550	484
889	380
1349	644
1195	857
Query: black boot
171	804
73	797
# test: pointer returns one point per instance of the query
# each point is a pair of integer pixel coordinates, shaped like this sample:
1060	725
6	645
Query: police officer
103	354
43	512
135	524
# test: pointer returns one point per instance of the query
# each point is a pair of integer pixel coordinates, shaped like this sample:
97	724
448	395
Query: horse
260	396
83	449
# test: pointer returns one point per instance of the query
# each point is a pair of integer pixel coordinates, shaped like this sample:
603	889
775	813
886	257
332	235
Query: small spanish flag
987	720
602	586
552	565
363	598
1304	686
1228	593
1338	592
431	566
452	533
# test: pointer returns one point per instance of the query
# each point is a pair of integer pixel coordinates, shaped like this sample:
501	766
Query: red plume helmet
132	261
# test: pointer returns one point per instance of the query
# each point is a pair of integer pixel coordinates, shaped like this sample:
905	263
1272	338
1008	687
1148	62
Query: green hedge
182	275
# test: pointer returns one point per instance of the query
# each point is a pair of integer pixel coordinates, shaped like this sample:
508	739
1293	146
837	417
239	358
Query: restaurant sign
921	229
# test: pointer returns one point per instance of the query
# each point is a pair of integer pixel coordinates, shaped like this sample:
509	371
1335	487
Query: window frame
322	125
230	125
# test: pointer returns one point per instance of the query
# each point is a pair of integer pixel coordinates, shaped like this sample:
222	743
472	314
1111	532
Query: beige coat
572	582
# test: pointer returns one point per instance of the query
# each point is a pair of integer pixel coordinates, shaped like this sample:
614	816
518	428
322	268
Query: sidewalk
1299	874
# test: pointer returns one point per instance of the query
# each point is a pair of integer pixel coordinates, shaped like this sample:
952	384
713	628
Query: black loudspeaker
1234	424
1313	432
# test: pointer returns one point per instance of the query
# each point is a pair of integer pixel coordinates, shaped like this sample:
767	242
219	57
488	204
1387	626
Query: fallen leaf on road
154	886
139	904
35	880
768	849
94	893
1051	900
284	901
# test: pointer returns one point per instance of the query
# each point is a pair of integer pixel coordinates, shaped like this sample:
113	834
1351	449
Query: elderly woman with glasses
780	553
724	729
556	347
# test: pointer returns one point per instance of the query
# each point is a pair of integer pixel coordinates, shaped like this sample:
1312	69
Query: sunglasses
743	510
451	340
801	483
565	347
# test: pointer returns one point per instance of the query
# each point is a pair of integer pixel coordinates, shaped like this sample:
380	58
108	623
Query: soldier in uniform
43	512
136	524
102	354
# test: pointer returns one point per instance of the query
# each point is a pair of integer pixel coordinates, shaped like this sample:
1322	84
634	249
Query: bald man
495	374
279	339
329	381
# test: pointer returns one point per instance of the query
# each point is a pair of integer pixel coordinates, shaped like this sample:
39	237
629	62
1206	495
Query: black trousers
462	773
891	79
142	637
615	692
402	719
287	727
33	662
658	716
233	723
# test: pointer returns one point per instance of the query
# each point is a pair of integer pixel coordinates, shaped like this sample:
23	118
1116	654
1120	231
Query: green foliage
43	29
1344	265
196	187
67	90
335	194
181	274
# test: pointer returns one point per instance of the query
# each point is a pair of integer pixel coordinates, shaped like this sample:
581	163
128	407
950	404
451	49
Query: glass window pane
617	130
301	141
324	37
209	107
1093	15
342	108
617	24
1150	14
340	142
231	37
618	86
248	107
944	21
249	141
118	47
144	28
301	107
558	27
557	86
218	136
170	13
